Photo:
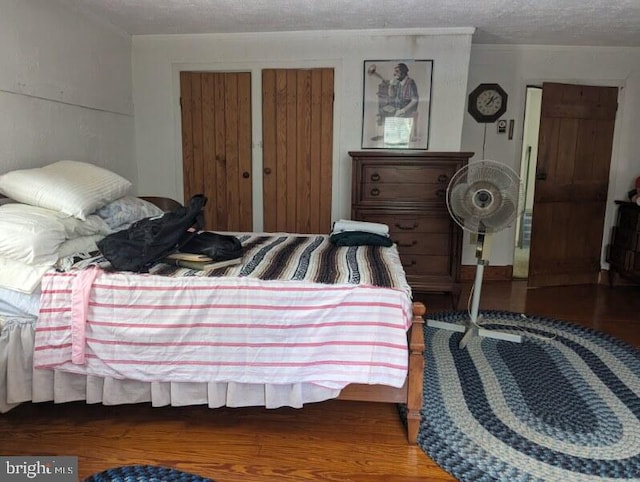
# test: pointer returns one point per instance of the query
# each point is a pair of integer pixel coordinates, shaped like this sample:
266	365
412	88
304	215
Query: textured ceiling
552	22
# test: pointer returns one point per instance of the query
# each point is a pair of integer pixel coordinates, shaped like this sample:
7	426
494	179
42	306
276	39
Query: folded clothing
360	238
344	225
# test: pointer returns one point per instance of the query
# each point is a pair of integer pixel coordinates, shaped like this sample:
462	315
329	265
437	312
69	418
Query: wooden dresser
623	254
407	191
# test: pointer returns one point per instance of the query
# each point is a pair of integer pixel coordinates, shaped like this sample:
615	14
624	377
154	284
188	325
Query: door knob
267	170
245	174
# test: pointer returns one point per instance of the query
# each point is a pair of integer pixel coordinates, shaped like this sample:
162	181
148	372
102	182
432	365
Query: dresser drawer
401	222
616	256
384	192
629	218
415	234
420	243
624	259
404	183
626	238
426	265
413	174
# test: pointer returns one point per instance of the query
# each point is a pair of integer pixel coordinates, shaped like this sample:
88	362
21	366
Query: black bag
150	240
218	247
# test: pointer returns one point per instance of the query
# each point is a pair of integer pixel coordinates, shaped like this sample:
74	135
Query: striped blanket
311	258
296	310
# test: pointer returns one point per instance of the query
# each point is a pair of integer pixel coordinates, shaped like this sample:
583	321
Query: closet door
216	145
297	120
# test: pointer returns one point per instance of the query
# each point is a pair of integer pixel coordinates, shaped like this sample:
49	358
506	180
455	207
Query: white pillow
30	234
26	277
35	235
72	187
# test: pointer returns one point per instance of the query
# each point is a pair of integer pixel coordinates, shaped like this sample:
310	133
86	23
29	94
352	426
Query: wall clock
487	102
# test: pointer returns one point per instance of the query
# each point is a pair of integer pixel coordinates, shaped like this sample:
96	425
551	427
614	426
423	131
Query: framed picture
397	104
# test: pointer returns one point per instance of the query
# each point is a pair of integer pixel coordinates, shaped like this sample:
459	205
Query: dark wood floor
330	441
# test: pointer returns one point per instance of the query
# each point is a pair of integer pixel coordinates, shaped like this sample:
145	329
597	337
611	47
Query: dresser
406	190
623	254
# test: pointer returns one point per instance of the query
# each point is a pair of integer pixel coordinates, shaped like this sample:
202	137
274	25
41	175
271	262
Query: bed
357	336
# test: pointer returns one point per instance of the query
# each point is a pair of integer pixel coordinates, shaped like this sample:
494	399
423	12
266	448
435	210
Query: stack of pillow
57	211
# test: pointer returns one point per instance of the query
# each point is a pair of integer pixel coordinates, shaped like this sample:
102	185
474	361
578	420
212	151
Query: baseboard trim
491	273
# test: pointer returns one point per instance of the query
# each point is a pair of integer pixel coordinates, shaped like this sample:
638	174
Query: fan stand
474	328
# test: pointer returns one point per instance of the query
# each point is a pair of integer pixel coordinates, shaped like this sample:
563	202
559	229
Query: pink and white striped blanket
222	329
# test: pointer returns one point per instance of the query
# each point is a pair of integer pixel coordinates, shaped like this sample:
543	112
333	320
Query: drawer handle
406	265
443	178
441	193
375	191
375	176
406	228
407	245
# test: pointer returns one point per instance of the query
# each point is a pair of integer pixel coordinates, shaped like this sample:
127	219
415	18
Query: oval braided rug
562	406
144	473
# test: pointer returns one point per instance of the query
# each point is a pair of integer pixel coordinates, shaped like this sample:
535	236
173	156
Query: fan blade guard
483	196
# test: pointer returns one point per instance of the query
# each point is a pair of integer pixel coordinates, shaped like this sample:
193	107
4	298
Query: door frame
528	181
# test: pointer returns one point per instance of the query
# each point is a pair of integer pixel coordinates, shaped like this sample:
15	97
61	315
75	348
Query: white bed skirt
20	383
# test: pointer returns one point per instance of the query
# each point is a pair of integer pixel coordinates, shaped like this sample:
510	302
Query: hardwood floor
330	441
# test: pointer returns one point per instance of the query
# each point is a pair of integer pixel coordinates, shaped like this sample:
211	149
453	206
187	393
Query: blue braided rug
562	406
144	473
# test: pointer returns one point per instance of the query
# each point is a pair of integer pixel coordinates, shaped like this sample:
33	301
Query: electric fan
482	198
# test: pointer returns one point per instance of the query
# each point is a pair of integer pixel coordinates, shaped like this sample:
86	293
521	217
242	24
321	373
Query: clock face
487	102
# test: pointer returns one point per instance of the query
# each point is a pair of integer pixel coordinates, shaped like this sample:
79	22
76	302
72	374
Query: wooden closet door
216	146
297	120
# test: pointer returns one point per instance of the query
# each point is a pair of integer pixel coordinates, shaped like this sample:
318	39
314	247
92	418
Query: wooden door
572	177
297	120
216	146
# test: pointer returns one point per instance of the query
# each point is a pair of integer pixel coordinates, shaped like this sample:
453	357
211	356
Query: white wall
65	88
157	61
515	67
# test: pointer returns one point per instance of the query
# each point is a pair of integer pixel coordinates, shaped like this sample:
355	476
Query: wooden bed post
411	392
415	379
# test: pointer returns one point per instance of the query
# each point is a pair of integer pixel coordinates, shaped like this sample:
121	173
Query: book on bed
199	261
